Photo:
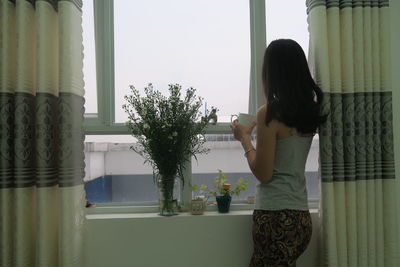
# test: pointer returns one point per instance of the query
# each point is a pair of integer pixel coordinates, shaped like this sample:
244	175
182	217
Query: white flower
146	126
174	134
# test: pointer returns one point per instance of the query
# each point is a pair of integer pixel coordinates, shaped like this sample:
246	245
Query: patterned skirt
280	237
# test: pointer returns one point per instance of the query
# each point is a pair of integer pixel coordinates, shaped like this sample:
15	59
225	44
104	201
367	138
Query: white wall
182	241
94	165
125	162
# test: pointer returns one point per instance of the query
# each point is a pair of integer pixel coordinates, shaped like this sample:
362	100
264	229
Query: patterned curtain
41	133
350	59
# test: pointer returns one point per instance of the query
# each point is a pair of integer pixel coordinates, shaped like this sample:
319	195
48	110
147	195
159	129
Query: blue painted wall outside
99	190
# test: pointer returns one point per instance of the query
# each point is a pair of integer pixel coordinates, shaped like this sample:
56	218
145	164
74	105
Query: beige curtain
41	134
351	62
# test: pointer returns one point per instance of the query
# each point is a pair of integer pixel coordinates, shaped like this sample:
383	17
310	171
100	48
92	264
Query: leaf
153	117
195	187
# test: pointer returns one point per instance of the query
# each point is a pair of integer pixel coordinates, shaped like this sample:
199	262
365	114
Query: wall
186	240
94	165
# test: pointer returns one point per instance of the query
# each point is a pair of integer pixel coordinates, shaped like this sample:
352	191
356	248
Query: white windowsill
153	208
143	208
156	215
132	212
180	215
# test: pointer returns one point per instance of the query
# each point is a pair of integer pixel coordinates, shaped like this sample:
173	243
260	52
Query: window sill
151	211
181	215
153	208
156	215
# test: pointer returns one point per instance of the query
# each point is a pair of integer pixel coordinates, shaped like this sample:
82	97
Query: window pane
116	139
204	44
279	26
89	59
227	155
114	173
312	170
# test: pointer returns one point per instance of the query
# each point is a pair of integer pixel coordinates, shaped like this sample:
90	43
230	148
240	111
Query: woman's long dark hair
292	95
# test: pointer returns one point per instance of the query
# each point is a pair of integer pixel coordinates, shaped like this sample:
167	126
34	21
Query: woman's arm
261	159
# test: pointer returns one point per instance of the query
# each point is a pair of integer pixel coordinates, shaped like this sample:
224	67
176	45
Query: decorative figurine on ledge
212	118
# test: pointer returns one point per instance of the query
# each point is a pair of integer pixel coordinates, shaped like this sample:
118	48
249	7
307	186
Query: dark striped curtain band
346	3
54	3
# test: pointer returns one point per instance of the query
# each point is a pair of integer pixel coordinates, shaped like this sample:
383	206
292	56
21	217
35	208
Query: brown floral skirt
280	237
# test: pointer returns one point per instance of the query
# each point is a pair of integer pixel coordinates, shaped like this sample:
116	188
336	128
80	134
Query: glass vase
169	195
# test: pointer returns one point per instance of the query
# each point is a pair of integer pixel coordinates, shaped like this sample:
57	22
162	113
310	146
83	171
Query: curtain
350	60
41	133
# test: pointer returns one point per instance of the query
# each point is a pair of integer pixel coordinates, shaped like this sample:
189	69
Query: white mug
243	118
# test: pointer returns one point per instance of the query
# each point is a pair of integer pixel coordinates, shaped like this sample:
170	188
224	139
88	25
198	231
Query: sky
204	44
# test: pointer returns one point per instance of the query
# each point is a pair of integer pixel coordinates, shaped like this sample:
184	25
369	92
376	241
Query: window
115	174
200	44
279	26
227	154
213	46
197	44
296	28
89	60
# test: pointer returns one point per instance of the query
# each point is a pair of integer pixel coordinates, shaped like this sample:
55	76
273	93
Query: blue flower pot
223	203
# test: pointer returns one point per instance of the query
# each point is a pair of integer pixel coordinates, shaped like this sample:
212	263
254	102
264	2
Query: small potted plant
223	191
199	201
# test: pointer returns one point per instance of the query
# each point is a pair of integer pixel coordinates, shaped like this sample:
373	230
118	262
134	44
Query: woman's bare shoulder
262	113
262	109
261	118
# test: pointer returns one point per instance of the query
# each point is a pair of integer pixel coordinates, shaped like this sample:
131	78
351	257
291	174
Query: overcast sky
204	44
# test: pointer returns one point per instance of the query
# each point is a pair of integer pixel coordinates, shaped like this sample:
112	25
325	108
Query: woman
285	129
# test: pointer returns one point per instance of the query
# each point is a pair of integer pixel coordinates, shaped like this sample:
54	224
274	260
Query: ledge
152	208
248	212
156	215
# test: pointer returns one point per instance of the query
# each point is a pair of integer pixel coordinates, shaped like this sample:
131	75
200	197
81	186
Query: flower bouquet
169	130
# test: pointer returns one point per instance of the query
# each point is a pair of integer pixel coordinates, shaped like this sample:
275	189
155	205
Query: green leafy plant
221	187
199	191
169	130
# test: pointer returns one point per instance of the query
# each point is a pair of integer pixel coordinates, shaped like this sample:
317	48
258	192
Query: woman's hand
241	131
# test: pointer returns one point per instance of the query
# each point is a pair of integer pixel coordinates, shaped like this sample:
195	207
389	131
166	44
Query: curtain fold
41	133
350	58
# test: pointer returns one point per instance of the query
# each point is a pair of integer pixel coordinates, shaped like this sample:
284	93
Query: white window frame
103	122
